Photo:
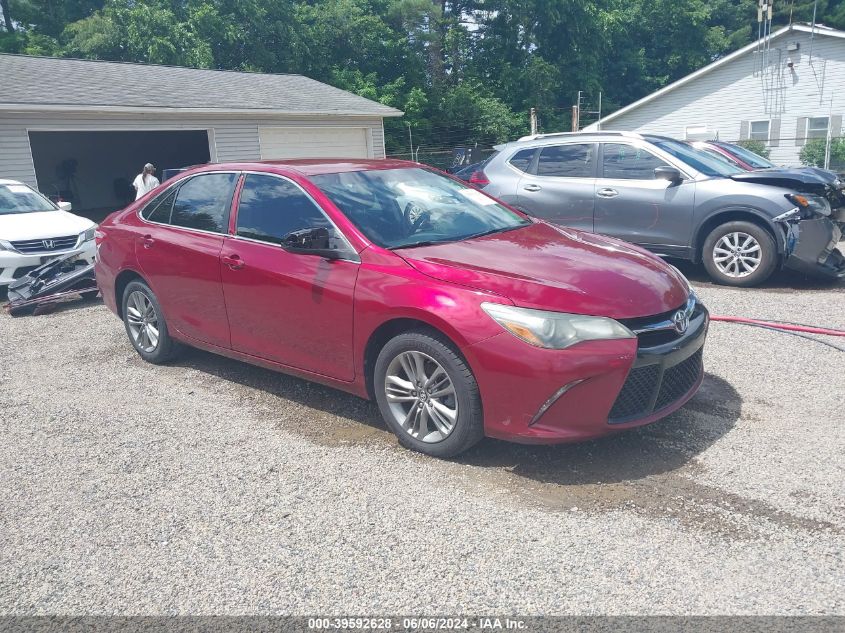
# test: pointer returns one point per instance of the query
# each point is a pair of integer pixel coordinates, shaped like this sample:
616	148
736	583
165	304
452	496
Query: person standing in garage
145	181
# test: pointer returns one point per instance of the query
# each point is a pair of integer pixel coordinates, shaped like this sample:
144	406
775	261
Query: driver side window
627	162
272	207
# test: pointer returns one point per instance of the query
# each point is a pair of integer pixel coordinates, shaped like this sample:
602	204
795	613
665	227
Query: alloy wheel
737	254
421	396
142	320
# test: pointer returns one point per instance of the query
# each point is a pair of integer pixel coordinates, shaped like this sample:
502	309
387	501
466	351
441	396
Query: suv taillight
479	179
99	236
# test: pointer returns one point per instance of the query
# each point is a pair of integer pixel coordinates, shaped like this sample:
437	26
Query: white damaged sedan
34	230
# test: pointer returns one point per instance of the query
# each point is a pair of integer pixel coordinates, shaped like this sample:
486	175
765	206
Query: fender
734	212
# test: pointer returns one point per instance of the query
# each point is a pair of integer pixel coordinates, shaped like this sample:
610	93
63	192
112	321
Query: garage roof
53	83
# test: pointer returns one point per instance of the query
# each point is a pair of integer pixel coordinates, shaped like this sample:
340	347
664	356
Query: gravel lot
209	486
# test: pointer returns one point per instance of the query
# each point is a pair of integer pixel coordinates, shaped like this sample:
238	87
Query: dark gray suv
676	201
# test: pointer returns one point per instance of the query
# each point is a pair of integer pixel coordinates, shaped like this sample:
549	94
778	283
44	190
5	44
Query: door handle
234	262
532	187
607	192
148	241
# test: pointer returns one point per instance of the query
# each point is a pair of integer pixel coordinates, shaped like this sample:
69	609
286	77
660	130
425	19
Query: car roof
594	136
4	181
316	166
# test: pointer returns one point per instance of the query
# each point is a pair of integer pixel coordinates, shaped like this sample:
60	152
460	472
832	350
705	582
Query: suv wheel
739	254
145	324
427	395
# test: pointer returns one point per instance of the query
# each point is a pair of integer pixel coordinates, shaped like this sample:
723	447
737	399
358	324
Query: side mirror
311	242
668	173
64	206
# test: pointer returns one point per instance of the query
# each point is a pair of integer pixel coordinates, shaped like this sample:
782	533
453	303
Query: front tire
740	254
427	395
145	324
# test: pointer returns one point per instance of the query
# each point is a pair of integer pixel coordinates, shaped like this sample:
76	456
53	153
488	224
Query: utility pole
533	115
410	140
829	136
575	118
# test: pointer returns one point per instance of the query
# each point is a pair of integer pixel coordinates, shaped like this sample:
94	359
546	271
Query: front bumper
538	396
14	265
811	247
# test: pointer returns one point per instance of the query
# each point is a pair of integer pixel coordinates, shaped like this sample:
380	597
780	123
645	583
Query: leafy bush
812	154
758	147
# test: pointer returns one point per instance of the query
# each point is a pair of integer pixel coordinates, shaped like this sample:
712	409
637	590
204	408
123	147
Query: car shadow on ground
337	418
783	280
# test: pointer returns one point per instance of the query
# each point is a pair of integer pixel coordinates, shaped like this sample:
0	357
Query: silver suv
676	201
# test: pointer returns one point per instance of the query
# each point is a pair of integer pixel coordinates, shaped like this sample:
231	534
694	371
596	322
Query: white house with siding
83	129
782	92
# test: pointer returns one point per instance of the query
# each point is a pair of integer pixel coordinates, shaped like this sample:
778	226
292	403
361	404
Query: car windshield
402	208
697	159
755	160
22	199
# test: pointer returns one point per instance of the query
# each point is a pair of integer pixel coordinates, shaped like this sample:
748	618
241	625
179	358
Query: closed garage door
314	142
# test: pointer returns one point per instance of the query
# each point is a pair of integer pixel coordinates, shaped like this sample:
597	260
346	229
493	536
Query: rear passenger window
203	202
629	162
571	160
159	209
522	159
272	207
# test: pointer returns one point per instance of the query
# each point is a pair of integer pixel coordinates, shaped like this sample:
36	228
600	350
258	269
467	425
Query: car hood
790	178
554	268
33	226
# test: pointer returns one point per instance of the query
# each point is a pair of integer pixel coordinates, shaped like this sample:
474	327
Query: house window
759	131
817	127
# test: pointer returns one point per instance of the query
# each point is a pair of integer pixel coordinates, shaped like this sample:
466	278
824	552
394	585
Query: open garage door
94	170
314	142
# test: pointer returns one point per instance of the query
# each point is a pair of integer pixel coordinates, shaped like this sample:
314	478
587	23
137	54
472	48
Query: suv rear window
573	160
522	159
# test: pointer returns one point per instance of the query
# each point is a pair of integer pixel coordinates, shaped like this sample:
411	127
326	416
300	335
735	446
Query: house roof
801	28
52	83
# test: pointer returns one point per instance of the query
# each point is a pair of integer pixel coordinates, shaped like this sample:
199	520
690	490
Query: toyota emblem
681	321
48	244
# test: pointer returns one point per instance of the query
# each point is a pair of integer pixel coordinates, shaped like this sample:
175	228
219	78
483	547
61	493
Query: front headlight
809	203
5	246
87	236
554	330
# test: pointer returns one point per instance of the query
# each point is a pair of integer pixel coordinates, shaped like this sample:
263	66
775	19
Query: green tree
812	154
758	147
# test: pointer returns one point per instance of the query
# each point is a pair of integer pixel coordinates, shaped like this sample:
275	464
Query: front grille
47	245
678	380
655	337
635	398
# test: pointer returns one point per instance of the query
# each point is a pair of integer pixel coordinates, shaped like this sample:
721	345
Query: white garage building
83	129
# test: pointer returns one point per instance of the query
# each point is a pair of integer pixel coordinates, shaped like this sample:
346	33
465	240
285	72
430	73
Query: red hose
809	329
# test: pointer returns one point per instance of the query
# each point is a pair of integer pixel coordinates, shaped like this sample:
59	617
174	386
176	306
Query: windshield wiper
492	231
423	243
458	239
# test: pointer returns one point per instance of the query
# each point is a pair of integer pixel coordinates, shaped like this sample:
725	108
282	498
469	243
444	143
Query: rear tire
740	254
428	395
145	324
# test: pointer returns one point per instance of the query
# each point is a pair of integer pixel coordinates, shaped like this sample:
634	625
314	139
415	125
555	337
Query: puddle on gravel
650	471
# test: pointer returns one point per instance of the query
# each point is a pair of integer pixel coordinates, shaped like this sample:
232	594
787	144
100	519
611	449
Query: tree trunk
4	6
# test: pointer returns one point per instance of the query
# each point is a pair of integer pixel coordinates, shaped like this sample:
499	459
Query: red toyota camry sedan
460	316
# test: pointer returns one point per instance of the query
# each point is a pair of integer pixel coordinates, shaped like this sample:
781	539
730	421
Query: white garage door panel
314	142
